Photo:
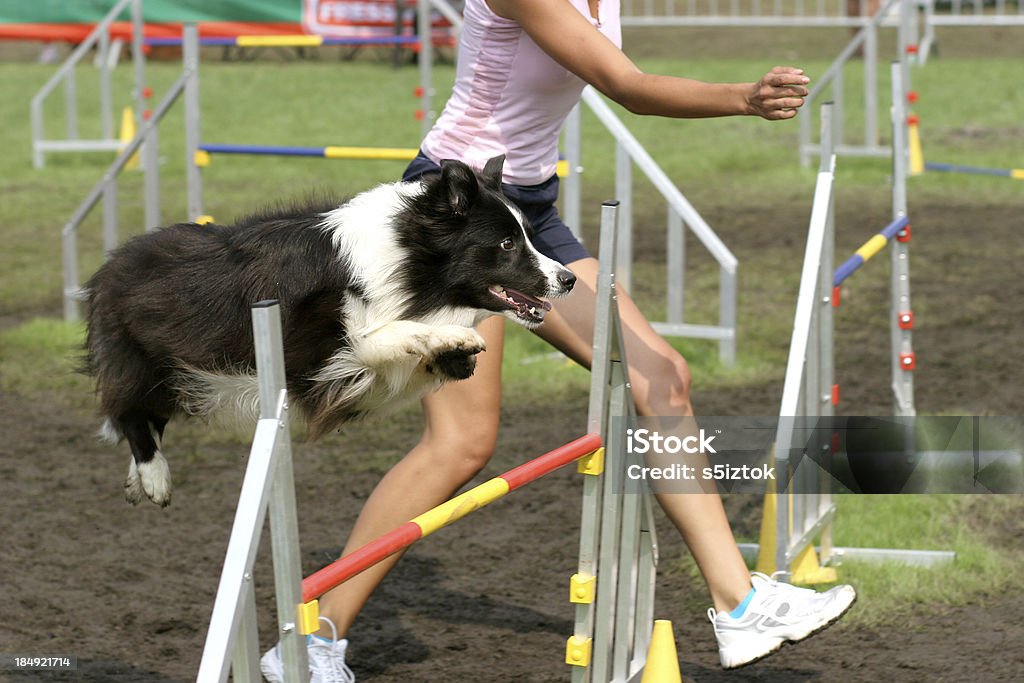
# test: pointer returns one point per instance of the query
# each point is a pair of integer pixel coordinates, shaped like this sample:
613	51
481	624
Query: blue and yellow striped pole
328	152
869	249
1014	173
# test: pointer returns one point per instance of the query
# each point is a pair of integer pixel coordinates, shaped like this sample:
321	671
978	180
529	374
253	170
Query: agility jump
586	449
612	590
792	522
918	165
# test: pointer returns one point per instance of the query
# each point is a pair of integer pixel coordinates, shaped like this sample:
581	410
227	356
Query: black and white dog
378	301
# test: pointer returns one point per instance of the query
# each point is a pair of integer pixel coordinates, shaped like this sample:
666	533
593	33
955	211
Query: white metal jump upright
809	390
613	588
231	642
806	394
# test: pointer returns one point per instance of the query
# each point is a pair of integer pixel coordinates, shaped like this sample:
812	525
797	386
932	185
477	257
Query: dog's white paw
150	480
447	338
451	351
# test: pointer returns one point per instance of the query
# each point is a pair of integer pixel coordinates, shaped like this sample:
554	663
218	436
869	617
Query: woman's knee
463	449
661	384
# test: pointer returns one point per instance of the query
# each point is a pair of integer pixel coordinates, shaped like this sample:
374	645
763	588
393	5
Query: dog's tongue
519	297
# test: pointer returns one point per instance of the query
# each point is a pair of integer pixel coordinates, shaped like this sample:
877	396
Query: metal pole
110	216
68	234
573	182
624	191
138	60
838	109
871	85
727	318
36	118
71	104
106	106
151	171
597	422
69	262
190	58
826	362
902	349
284	524
794	398
676	278
426	62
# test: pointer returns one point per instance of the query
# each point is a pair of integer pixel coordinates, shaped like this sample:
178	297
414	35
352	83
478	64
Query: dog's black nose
567	279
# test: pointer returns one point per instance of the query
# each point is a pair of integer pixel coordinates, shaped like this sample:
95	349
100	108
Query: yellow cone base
662	660
807	570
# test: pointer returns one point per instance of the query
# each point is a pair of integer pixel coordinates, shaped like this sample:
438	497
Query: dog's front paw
453	351
452	365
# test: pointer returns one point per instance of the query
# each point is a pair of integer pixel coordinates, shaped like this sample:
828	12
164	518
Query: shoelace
339	671
770	580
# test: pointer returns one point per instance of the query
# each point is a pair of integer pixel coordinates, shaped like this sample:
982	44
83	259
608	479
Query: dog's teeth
533	310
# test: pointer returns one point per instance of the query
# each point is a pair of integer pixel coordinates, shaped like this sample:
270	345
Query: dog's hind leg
148	473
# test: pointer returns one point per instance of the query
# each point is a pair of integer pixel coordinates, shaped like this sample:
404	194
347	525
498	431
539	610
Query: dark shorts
551	236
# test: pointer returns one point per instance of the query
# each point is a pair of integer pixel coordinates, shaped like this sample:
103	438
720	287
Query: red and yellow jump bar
441	516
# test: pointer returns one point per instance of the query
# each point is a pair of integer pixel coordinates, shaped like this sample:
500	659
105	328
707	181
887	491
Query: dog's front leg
445	351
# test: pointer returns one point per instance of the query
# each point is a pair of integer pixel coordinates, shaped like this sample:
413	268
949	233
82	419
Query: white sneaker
778	613
326	660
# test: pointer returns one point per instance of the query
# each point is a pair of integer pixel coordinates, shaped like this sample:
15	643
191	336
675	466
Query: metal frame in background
680	213
107	57
822	13
106	188
832	82
793	521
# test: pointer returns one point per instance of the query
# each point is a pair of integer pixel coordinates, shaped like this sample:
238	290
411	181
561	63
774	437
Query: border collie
378	301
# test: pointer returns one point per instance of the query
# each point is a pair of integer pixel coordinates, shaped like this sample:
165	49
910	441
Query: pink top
510	97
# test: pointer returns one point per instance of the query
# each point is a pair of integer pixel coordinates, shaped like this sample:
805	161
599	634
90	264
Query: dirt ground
129	591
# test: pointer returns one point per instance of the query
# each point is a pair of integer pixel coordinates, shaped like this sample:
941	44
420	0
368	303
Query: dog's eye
507	244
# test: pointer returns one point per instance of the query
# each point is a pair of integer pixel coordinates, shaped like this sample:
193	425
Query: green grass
985	566
718	164
41	357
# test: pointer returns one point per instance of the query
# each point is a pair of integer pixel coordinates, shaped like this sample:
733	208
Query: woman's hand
778	94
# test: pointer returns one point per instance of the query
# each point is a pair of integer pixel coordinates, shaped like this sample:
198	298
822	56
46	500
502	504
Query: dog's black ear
461	185
492	171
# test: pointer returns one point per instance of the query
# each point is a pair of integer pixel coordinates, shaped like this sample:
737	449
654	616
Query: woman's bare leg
661	387
461	427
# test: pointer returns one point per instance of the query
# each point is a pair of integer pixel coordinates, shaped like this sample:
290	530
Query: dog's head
477	246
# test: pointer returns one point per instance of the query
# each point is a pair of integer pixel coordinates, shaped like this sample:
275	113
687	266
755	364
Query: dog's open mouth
526	307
